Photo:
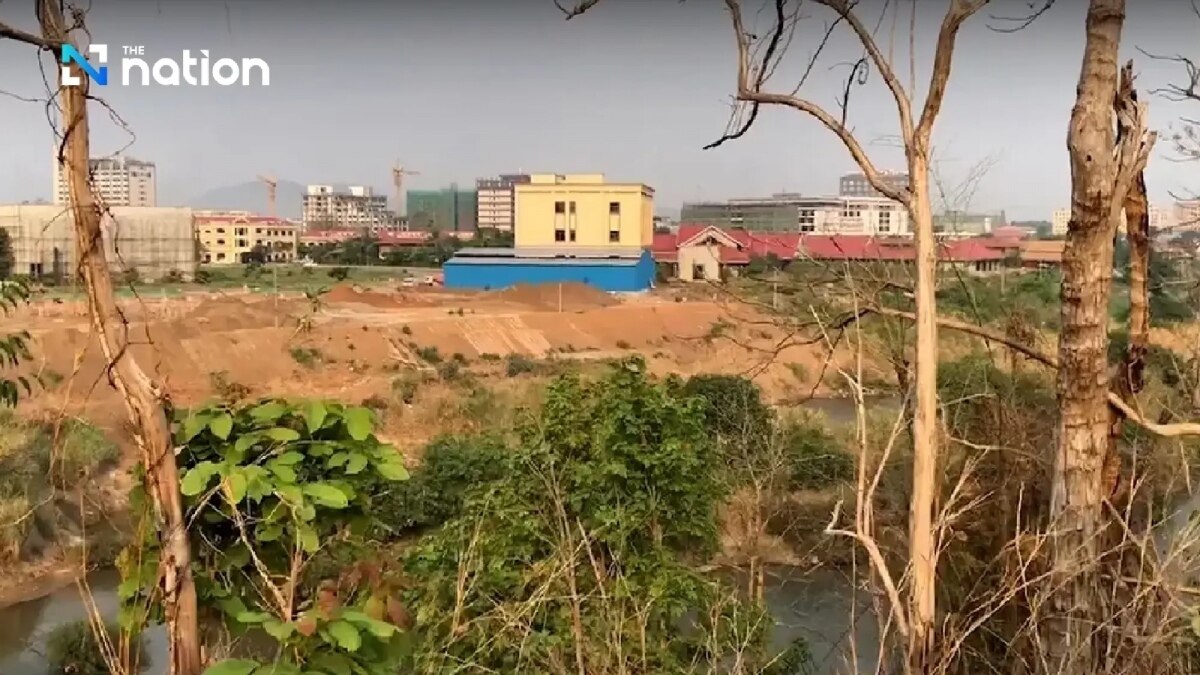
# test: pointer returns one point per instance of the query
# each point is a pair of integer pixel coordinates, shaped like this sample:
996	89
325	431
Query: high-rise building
357	207
448	210
496	199
120	181
857	185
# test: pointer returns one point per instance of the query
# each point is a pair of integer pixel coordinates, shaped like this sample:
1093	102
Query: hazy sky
465	88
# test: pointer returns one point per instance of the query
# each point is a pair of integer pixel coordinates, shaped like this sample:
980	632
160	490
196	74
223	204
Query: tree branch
7	31
959	11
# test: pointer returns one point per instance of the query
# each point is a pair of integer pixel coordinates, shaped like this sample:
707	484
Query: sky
461	89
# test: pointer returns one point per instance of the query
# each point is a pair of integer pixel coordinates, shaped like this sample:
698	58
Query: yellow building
581	210
226	239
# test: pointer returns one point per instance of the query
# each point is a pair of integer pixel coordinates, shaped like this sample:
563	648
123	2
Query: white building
1186	214
1160	218
876	216
358	207
495	199
121	181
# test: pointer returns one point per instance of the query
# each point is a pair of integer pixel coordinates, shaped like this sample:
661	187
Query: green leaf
221	425
337	459
346	635
357	463
232	667
289	458
268	531
196	479
392	470
283	434
285	473
359	422
326	495
278	629
380	629
314	416
252	617
308	539
269	412
235	481
232	606
192	425
246	441
290	493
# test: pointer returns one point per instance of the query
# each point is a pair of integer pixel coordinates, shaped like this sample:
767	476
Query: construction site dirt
352	343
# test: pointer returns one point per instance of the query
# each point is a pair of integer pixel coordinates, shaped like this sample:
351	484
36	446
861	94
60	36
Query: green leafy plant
308	357
279	496
340	273
517	364
612	487
14	347
72	649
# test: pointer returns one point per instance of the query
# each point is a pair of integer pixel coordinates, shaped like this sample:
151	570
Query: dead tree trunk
1102	171
143	400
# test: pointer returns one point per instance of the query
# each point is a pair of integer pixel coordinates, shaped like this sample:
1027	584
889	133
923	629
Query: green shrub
519	364
449	371
434	492
83	452
72	649
305	356
340	273
225	388
815	459
202	276
429	354
405	388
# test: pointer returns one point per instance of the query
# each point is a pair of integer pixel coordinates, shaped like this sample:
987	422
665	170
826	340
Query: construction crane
398	174
271	184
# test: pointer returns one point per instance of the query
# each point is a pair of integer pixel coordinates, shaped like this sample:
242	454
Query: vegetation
73	649
6	255
14	347
279	495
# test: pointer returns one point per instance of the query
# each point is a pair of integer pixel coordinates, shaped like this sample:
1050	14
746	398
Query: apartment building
496	199
573	210
792	213
121	181
232	239
356	207
857	185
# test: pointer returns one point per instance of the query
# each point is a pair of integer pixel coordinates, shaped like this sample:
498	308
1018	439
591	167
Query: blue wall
498	273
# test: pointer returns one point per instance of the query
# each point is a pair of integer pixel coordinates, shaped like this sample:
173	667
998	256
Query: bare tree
1104	168
757	59
144	400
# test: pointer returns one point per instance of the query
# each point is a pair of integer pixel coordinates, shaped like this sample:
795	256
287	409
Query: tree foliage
612	489
14	347
279	497
6	255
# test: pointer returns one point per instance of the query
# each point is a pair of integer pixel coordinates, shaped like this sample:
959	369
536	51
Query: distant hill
252	196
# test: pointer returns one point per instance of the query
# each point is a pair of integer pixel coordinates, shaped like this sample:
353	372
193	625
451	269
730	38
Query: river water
815	606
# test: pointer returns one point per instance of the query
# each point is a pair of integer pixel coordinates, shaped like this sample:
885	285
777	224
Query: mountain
252	196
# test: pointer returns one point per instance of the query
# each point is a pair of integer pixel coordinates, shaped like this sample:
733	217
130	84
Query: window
220	256
560	235
560	221
220	242
885	220
560	207
808	220
614	222
851	211
572	220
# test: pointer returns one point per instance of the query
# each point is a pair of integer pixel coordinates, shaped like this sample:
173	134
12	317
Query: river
815	606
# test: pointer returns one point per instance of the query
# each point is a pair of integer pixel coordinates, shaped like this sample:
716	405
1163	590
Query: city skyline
633	90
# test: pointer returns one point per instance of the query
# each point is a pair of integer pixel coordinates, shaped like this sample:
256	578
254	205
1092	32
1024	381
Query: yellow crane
271	184
398	174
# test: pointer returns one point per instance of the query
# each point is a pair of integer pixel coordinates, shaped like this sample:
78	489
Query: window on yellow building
572	221
560	227
614	222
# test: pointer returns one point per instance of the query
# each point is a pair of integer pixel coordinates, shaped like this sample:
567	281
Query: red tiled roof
969	250
852	247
